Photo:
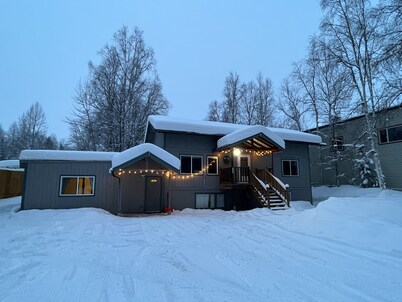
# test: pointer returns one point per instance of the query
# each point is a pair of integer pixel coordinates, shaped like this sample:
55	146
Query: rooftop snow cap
143	151
167	123
66	155
258	137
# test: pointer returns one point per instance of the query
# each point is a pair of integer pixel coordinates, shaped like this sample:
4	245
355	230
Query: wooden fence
10	183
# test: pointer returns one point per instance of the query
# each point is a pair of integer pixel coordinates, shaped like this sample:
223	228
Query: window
337	144
212	168
190	164
390	135
290	168
77	185
210	201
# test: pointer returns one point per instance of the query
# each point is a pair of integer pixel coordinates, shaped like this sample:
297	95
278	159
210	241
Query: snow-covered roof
249	132
10	164
66	155
167	123
146	149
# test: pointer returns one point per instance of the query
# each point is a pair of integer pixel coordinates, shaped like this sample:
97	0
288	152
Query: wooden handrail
274	184
260	188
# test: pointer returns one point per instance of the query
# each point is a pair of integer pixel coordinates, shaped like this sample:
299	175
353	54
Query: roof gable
143	151
256	137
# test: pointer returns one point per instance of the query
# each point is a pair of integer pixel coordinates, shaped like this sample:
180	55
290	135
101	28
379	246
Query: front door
153	194
243	162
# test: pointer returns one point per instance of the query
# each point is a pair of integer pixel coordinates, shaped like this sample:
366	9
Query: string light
214	162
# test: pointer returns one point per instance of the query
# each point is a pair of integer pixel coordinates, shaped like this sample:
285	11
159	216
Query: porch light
236	152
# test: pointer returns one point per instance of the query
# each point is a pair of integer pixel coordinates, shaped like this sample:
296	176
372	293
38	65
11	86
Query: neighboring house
344	157
182	164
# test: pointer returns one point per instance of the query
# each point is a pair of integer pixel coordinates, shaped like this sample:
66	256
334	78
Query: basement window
77	185
209	201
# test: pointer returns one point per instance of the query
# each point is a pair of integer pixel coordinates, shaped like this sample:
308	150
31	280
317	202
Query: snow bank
243	134
345	249
167	123
137	151
323	192
66	155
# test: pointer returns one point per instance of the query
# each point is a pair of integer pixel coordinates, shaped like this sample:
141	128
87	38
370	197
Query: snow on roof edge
243	134
66	155
135	152
166	123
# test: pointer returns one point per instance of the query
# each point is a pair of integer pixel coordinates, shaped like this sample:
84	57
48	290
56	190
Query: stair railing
278	187
254	181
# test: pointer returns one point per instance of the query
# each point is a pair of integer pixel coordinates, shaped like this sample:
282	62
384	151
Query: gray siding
133	186
42	185
182	191
132	193
323	172
299	186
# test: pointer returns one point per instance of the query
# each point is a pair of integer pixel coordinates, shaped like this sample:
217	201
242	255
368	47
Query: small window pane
383	136
85	186
201	201
212	165
286	167
294	168
220	201
395	134
197	164
185	165
211	204
69	185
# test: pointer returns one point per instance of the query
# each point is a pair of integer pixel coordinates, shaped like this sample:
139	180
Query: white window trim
76	189
191	166
217	165
290	168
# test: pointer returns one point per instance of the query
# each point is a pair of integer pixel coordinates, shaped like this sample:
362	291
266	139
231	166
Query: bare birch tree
292	105
32	127
353	41
215	112
112	107
233	92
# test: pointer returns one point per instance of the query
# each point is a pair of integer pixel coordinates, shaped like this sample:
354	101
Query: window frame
215	194
290	167
386	129
191	165
217	165
77	177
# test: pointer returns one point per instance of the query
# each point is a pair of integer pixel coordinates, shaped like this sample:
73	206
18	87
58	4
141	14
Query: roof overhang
256	138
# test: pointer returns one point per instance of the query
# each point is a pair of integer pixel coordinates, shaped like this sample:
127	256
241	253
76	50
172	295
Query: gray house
346	145
182	164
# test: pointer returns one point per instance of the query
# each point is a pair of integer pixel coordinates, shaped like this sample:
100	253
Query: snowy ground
344	249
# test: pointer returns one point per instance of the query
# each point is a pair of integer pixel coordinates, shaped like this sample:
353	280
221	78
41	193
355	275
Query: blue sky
46	45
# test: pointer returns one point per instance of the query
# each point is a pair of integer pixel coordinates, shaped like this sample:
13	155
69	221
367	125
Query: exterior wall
182	191
42	185
299	186
132	199
323	172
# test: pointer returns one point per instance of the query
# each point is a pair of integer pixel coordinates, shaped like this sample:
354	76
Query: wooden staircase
267	195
